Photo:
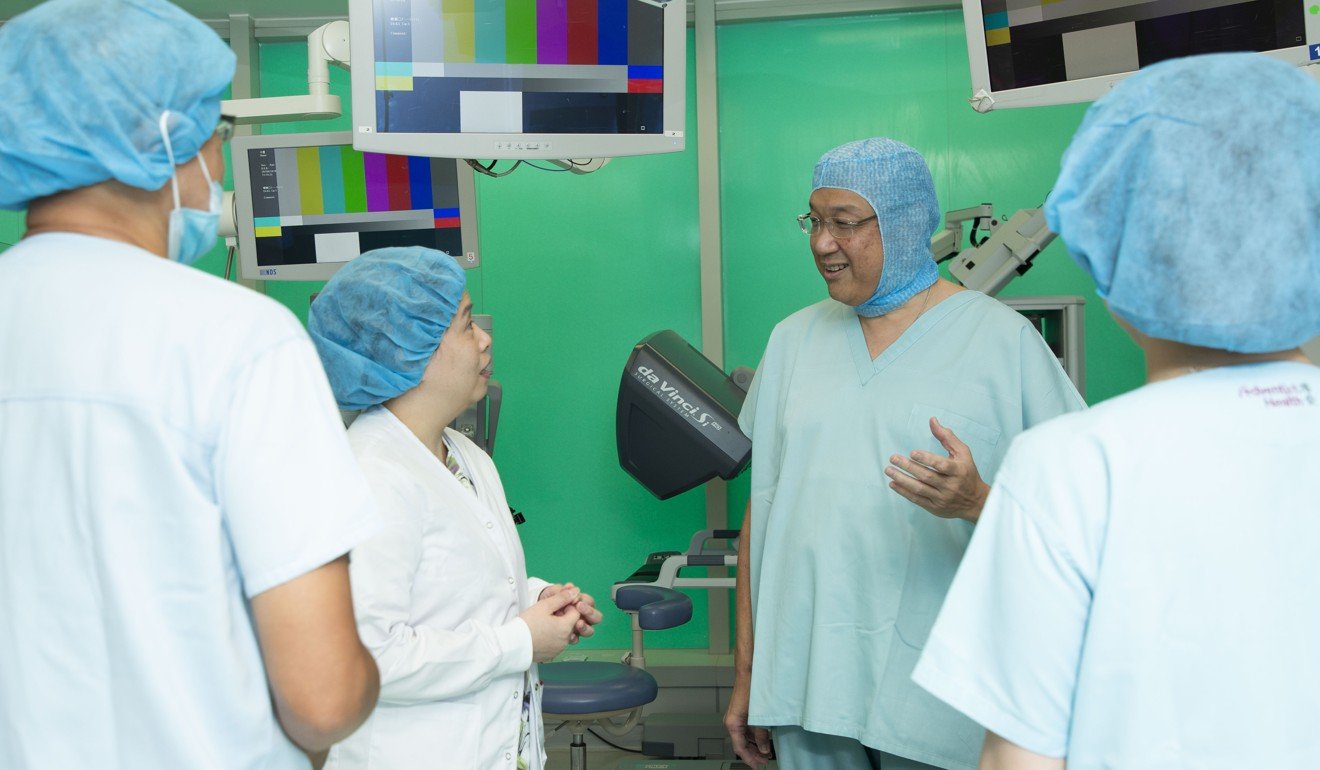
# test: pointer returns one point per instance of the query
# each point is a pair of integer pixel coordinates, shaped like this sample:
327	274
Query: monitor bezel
508	146
243	220
984	99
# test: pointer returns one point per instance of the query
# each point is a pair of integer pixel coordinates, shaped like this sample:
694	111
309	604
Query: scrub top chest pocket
982	439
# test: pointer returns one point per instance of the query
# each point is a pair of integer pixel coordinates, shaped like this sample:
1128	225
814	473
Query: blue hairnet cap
894	179
378	321
86	83
1191	194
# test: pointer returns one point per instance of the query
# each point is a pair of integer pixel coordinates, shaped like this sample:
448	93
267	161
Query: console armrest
656	608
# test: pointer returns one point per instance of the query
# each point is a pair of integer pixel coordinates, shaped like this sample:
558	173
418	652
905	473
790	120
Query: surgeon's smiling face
461	366
851	260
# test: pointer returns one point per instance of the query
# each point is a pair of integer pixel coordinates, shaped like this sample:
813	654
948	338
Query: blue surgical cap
1191	194
85	85
894	179
378	321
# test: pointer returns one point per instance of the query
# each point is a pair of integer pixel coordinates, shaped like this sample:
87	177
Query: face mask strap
206	174
169	153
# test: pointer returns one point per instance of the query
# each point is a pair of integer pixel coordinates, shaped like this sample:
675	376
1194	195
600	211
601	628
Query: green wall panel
579	269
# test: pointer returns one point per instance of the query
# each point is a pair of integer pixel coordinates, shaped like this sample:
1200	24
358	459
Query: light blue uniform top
169	449
1142	590
847	575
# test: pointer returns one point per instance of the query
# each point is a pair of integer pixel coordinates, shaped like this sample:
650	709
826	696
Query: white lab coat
437	595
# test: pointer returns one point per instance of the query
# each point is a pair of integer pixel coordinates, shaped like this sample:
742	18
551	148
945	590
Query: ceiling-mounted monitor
307	203
1028	53
506	79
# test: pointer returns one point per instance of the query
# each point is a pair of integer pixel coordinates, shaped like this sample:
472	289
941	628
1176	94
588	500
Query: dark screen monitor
677	418
1026	53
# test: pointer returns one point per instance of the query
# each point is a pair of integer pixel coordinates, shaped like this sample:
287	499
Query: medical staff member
176	493
442	594
1142	591
851	543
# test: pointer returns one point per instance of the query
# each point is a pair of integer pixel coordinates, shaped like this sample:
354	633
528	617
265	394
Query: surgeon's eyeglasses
840	229
225	128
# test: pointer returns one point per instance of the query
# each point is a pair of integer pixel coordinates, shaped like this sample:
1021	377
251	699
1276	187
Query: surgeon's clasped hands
949	487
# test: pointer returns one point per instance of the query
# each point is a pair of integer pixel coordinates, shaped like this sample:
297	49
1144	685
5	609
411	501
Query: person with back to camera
1142	591
441	594
849	544
177	497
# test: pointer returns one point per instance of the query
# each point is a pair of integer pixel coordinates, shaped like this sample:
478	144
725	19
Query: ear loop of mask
169	154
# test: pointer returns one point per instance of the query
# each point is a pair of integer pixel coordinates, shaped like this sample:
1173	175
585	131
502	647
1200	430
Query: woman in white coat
442	596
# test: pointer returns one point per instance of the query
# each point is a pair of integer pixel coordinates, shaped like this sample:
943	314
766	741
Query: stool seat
592	688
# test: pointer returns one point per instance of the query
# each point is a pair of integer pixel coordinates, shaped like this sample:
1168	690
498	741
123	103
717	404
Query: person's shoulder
142	296
988	313
1056	471
143	283
374	435
809	318
378	448
192	303
826	309
1070	437
1057	436
241	307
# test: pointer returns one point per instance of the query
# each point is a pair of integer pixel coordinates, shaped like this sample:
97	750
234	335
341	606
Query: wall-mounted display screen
1036	52
519	78
307	203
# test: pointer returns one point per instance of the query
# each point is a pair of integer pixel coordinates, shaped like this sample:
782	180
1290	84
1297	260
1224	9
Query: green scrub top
847	576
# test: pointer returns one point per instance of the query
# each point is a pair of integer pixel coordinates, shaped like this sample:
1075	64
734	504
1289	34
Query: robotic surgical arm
1004	252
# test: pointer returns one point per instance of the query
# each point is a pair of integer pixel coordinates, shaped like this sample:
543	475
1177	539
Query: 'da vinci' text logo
670	393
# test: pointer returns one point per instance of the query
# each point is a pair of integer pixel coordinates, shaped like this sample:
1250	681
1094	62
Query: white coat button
508	756
489	525
510	581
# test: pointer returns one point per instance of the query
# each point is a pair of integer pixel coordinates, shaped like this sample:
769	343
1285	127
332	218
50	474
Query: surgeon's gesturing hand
949	487
585	607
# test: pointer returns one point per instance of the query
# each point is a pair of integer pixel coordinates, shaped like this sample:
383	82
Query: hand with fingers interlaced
585	607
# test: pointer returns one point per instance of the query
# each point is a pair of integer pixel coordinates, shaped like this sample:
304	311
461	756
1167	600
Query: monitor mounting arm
325	46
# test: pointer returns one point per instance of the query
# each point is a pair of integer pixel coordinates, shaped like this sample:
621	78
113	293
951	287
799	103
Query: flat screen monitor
505	79
307	203
1027	53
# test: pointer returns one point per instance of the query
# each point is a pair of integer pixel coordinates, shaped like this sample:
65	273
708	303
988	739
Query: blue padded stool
580	694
